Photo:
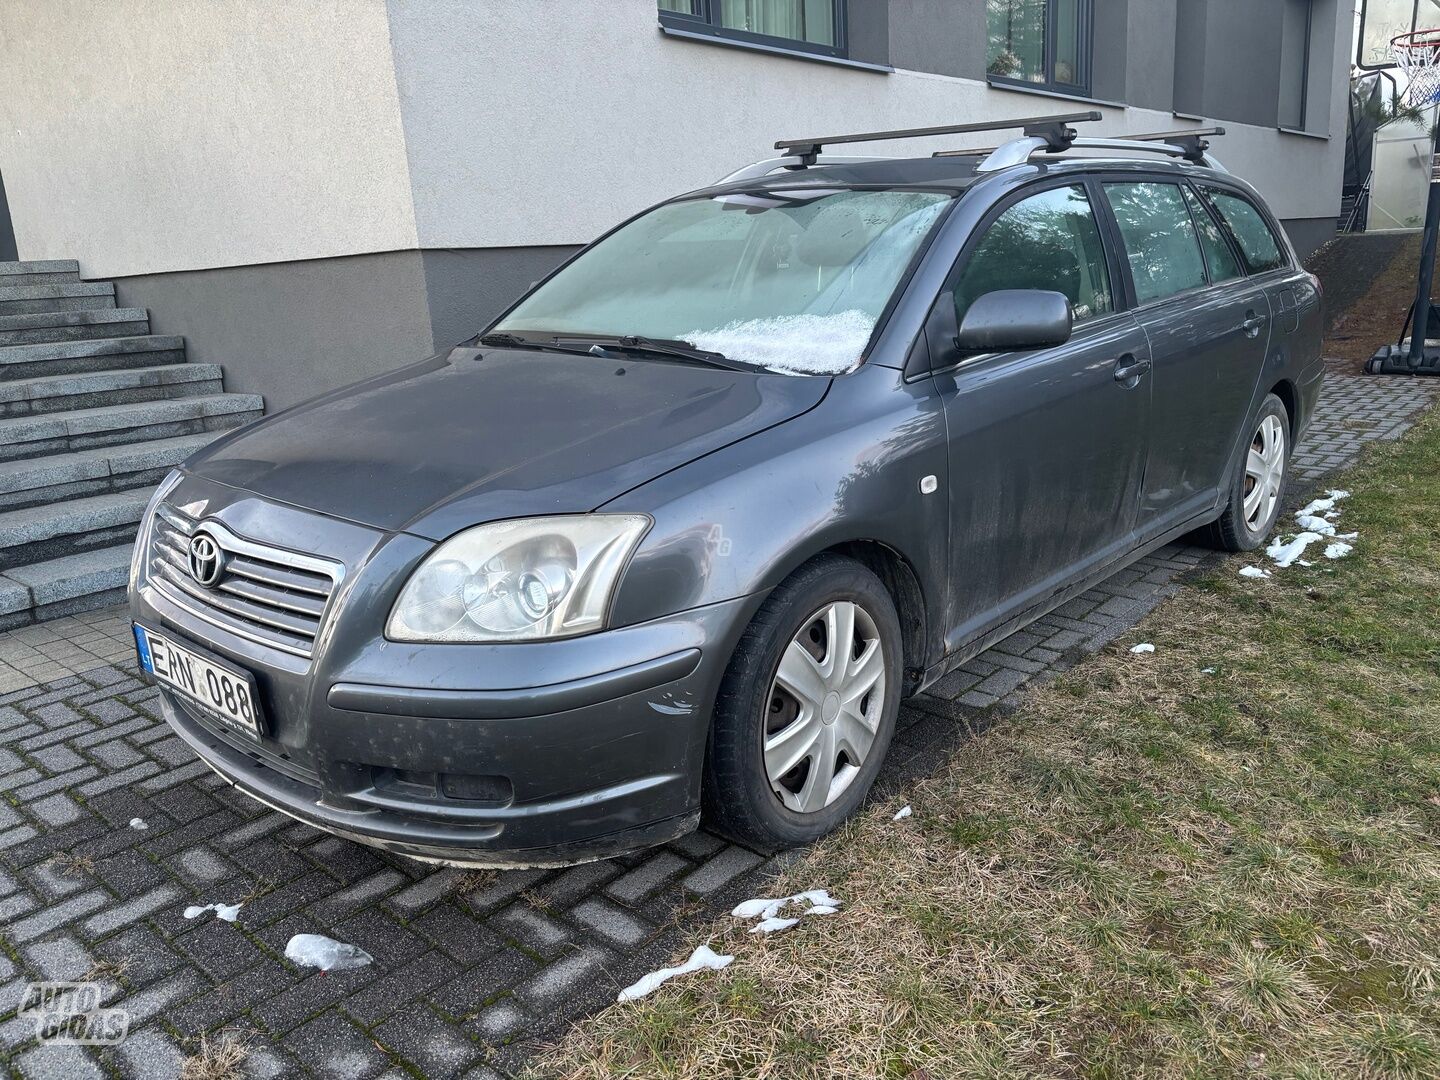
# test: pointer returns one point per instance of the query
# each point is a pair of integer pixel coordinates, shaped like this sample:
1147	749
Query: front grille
265	594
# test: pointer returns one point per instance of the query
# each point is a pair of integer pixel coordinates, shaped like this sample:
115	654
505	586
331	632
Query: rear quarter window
1258	244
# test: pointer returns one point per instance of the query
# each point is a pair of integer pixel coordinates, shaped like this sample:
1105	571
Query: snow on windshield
793	344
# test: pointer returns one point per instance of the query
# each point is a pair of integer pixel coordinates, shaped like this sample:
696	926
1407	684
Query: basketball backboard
1381	20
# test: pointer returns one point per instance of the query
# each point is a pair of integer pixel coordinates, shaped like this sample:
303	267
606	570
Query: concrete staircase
94	410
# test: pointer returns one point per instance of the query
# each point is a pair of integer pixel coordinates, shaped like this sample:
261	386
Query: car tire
1257	488
817	709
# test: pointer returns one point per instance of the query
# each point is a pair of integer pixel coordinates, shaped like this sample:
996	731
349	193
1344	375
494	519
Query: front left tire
806	709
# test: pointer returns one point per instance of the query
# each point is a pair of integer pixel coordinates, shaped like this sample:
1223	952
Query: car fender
869	466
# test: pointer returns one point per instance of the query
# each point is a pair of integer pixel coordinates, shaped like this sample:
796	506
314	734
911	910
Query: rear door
1294	299
1208	328
1047	447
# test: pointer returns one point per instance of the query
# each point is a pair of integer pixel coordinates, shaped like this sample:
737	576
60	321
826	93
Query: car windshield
792	280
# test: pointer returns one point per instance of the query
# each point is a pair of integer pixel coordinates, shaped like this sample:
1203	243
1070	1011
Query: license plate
224	691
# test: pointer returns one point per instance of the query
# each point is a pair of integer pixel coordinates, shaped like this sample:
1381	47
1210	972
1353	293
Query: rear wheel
1258	488
806	709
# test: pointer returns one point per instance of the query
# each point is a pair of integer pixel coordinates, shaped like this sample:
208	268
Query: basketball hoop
1418	55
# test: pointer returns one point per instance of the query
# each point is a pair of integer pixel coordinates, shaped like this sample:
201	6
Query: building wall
147	136
7	232
312	192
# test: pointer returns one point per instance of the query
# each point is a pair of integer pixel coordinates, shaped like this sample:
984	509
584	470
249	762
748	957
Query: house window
1295	64
1041	43
810	25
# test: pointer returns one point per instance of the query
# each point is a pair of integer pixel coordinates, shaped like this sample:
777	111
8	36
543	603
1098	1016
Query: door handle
1253	323
1129	370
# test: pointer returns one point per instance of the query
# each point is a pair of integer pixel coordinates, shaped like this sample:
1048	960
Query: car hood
479	435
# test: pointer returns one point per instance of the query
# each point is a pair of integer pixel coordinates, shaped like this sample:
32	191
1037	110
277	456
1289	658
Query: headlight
522	580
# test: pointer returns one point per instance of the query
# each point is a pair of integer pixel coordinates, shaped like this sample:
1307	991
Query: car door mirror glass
1009	319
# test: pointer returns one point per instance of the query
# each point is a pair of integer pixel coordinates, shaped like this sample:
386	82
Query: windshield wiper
504	340
679	350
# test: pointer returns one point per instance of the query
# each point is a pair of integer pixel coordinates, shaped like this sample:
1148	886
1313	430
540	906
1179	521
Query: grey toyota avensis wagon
675	535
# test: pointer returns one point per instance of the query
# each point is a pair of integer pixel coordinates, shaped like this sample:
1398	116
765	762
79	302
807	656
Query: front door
1208	328
1047	447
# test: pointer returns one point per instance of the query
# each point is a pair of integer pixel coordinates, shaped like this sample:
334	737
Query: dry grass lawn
1147	870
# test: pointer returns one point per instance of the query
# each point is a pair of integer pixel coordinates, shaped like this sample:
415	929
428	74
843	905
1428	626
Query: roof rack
1053	132
1190	144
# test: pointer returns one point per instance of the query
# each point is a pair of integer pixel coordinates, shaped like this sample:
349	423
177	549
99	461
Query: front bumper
486	755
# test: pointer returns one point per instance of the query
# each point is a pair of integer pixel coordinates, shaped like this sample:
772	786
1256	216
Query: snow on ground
1254	571
327	954
792	344
138	823
1316	523
816	901
902	813
228	912
1143	647
702	959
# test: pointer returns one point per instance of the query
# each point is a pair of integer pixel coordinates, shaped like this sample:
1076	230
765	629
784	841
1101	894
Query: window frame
707	22
1085	34
1121	300
1277	232
1174	180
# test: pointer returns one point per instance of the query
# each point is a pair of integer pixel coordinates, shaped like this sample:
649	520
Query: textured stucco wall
150	135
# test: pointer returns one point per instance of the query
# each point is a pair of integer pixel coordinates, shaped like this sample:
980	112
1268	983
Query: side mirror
1015	319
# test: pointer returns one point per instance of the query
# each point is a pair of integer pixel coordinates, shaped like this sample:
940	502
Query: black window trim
1277	232
1119	298
706	24
1175	180
1081	88
1225	238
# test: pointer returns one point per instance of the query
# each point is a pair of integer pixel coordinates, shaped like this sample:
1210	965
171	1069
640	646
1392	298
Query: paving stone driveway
471	969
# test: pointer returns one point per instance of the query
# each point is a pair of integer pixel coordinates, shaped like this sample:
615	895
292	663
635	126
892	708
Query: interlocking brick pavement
471	968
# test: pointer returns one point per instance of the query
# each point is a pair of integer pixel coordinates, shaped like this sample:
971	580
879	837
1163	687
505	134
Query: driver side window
1048	241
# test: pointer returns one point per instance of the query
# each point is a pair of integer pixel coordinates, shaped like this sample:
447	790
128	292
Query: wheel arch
1289	397
902	583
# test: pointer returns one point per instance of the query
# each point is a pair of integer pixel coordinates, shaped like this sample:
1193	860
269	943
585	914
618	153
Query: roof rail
1052	131
1191	144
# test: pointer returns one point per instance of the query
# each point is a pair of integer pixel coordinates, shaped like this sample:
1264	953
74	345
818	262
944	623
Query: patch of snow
702	959
768	907
902	813
792	344
228	912
1285	552
1207	671
1327	504
770	926
1143	647
1254	571
138	823
327	954
1338	550
1310	523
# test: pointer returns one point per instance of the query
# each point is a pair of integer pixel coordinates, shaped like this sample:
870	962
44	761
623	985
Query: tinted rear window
1262	250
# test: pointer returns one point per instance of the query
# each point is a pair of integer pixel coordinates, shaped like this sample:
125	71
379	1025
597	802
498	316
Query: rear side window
1160	239
1252	232
1048	241
1218	256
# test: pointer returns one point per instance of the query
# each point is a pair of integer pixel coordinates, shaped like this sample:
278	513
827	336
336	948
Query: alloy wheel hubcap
1264	473
824	707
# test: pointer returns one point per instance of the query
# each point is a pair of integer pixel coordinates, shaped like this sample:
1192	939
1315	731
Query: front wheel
1257	489
806	709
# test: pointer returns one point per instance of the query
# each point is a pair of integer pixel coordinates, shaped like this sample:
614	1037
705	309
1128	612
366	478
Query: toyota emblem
207	561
